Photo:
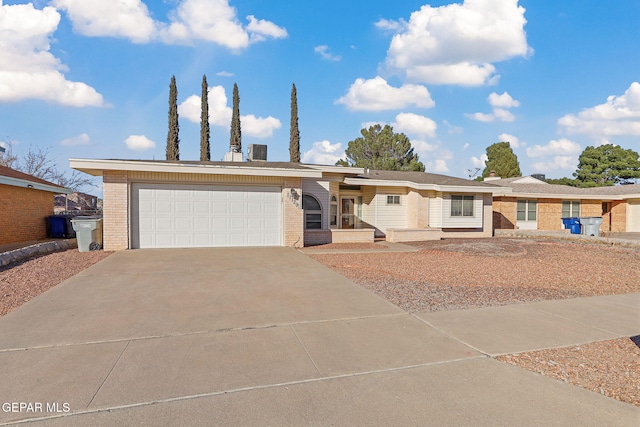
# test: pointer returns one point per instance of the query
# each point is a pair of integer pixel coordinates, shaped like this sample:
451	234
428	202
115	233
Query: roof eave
16	182
419	186
96	167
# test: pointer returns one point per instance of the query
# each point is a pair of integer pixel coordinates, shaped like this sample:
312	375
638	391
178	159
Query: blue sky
90	78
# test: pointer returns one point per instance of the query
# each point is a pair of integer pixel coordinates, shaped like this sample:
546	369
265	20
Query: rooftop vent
257	153
539	176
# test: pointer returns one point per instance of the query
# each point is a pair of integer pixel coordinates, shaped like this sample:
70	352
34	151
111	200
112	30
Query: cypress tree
502	160
236	137
294	132
205	152
173	142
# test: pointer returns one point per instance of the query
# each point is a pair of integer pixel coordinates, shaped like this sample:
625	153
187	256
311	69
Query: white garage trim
196	215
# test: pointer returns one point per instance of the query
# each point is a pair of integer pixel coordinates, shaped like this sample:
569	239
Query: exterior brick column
115	211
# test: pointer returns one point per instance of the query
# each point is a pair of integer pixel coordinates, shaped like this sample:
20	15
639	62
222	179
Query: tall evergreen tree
607	164
294	132
502	160
205	151
236	136
173	142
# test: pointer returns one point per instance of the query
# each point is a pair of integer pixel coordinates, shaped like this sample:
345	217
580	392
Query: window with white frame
333	213
462	205
312	212
570	208
526	210
393	200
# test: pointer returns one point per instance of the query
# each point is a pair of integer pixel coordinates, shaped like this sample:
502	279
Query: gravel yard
459	274
466	273
21	282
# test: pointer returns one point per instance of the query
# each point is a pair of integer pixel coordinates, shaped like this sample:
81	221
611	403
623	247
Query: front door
348	212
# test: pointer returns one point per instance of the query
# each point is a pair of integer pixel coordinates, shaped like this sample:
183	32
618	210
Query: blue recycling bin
572	224
57	226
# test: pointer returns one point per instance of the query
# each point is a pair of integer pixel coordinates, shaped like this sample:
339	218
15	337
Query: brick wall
24	212
504	213
618	216
115	211
293	214
550	214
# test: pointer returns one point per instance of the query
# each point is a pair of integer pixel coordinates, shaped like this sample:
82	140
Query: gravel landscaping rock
21	282
609	367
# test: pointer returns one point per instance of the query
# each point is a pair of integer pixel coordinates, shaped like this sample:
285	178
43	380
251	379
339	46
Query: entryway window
333	213
526	210
312	212
570	208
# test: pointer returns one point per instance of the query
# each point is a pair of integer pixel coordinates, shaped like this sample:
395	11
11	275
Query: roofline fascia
570	196
337	169
23	183
418	186
96	167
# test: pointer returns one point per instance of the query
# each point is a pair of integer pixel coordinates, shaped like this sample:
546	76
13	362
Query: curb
45	248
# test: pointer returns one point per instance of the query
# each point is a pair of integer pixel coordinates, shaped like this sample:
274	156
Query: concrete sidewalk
268	336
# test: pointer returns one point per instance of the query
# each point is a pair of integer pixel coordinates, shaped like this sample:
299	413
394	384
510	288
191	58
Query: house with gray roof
166	204
529	203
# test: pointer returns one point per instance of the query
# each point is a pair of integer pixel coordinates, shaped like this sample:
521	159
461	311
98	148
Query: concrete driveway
257	336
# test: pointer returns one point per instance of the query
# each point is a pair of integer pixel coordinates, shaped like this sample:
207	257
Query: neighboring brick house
159	204
26	201
77	202
528	203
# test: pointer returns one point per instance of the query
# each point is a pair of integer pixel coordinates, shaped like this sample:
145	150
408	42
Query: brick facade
293	214
24	212
504	213
115	211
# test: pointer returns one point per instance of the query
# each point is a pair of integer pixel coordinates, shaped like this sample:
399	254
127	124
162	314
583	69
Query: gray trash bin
591	225
88	232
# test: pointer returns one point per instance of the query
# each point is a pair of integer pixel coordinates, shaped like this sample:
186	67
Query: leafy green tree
381	148
607	165
236	136
294	132
205	151
173	142
502	160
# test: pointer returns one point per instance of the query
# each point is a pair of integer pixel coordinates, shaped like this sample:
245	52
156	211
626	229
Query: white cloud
98	18
27	69
438	166
192	20
415	124
457	43
453	129
466	145
422	147
367	125
391	25
559	147
323	153
618	116
377	95
224	74
139	143
259	30
557	154
500	103
323	51
479	162
513	140
259	127
82	139
219	112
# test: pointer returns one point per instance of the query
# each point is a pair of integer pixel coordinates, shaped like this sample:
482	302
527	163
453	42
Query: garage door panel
186	215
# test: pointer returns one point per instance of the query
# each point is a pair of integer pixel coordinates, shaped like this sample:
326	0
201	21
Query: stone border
532	234
44	248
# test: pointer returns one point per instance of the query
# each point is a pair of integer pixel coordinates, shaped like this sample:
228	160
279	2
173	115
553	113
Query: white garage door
184	215
633	216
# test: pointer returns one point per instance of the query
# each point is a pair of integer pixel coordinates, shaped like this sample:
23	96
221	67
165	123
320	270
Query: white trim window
462	205
527	210
393	200
570	208
312	212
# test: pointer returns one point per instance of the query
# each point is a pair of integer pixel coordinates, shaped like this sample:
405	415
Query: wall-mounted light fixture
29	186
